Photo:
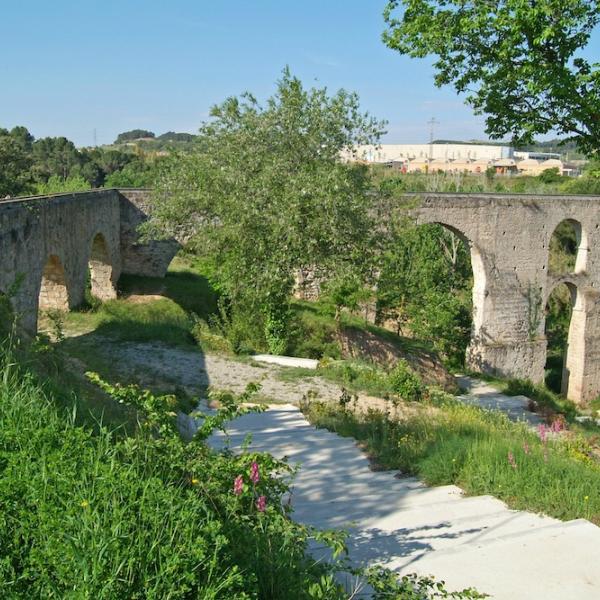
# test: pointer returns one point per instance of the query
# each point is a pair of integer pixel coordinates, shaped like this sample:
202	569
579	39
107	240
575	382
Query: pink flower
238	485
558	424
526	448
542	432
261	503
254	475
511	460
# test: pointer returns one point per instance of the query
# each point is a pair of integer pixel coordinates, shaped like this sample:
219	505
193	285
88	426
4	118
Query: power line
432	123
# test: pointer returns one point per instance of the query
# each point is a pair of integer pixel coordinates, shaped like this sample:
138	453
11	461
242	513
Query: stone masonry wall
509	239
151	258
48	244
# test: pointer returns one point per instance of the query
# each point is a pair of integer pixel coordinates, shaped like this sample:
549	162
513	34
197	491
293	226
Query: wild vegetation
443	442
134	511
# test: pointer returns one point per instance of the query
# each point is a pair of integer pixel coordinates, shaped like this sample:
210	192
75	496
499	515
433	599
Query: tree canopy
54	164
264	192
518	61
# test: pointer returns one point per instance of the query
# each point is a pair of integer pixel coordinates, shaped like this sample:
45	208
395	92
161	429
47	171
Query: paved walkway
404	525
482	394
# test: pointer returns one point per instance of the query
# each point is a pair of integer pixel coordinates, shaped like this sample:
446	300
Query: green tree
264	193
517	60
54	156
57	185
15	163
425	286
138	173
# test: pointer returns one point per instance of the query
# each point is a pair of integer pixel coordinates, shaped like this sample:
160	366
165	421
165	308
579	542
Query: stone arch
54	294
101	270
478	267
581	247
474	358
572	348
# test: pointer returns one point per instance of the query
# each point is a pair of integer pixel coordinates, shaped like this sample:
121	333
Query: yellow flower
195	481
84	504
586	498
453	460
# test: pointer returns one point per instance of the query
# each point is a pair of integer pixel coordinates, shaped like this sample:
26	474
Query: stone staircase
406	526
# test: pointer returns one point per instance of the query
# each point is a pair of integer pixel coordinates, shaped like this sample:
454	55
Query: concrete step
408	535
363	510
555	562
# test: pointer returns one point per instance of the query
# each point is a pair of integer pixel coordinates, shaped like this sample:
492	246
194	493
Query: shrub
356	376
405	382
207	338
149	516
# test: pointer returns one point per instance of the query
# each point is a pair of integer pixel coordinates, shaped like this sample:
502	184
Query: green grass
462	445
184	284
314	332
184	293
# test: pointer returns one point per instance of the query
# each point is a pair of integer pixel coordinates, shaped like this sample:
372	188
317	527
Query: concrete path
400	523
287	361
482	394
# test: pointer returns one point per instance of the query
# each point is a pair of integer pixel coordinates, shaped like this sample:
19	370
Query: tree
264	193
15	163
138	173
54	156
57	185
517	60
425	283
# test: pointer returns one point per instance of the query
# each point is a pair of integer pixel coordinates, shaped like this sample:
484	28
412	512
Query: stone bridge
49	246
509	238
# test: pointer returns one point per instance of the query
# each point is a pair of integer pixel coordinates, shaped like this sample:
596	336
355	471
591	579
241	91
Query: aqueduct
509	240
48	245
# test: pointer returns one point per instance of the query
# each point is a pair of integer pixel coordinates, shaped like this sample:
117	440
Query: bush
405	382
207	338
356	376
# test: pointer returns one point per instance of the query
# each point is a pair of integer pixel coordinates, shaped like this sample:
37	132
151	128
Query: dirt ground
158	365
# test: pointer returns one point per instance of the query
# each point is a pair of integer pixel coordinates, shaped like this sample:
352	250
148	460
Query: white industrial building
385	153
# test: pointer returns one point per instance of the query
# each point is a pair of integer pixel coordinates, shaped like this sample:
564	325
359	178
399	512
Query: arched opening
100	276
559	312
432	288
568	248
53	291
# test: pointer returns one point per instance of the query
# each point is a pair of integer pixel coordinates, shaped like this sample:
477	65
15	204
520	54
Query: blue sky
71	66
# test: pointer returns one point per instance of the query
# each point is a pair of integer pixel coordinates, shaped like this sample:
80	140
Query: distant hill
133	135
150	142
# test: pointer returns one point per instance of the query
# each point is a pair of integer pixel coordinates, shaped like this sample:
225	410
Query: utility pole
95	138
432	123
